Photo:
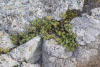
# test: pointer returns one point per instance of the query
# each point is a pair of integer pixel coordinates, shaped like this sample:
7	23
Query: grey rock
95	44
29	65
54	55
14	24
96	13
7	61
71	62
86	28
83	54
5	42
55	8
52	48
16	14
76	4
30	51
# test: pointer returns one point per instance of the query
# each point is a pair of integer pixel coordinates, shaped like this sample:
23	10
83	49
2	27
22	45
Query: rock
54	55
52	48
30	51
96	13
95	44
55	8
5	42
83	54
7	61
87	28
16	14
14	24
29	65
76	4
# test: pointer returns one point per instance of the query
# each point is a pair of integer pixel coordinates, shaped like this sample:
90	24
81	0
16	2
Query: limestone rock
95	44
86	28
96	13
83	54
5	42
54	55
30	51
7	61
14	24
76	4
29	65
52	48
16	14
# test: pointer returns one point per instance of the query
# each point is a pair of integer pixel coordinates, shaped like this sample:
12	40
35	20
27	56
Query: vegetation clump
48	28
4	51
15	66
99	1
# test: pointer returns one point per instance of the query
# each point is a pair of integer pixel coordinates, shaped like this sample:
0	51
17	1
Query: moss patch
4	51
48	28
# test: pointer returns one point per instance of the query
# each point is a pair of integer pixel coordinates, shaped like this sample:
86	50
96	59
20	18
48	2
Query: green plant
15	66
48	28
5	51
99	1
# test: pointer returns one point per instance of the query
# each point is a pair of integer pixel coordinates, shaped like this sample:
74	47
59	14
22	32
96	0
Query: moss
15	66
5	51
99	1
48	28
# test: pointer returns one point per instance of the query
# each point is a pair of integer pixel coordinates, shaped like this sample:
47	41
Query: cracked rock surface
30	51
16	14
87	27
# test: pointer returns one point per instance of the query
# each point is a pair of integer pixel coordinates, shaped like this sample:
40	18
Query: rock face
53	54
5	42
76	4
30	51
7	61
29	65
87	55
96	13
16	14
87	27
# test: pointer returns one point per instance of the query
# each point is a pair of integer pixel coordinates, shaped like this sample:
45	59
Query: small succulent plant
48	28
4	51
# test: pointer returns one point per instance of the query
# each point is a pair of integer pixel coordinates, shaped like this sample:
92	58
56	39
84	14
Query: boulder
96	13
76	4
29	65
16	14
7	61
30	51
5	42
83	54
54	55
86	28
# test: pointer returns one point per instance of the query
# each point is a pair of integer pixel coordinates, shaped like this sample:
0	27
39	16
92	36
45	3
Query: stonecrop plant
99	1
48	28
4	51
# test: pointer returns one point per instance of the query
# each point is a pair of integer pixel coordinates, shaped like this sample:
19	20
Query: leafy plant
4	50
15	66
48	28
99	1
